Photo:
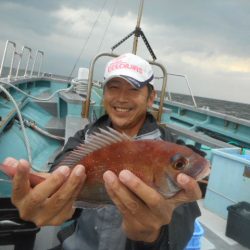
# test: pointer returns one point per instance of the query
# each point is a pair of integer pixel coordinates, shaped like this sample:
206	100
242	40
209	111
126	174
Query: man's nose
123	95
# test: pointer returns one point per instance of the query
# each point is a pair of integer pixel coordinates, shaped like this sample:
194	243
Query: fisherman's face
126	105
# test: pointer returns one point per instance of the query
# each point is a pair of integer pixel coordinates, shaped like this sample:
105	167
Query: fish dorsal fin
93	142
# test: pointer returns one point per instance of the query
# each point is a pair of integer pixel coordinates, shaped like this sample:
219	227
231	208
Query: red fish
156	162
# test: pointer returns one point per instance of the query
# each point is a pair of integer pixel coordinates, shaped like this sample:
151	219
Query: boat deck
214	232
213	239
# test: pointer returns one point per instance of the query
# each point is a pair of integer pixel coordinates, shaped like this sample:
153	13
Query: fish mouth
198	170
202	173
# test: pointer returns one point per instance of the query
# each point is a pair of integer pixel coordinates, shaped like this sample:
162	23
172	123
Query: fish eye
179	165
179	162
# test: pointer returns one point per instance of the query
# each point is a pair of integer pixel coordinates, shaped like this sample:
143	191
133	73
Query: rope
26	139
105	31
36	98
85	44
32	125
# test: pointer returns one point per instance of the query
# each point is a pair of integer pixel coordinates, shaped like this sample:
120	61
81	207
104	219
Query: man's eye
113	87
134	89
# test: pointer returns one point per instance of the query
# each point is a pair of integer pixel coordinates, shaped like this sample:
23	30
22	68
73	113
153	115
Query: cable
26	139
105	31
90	33
32	125
35	98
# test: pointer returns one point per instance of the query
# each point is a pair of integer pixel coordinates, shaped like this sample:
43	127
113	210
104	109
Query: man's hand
144	210
51	201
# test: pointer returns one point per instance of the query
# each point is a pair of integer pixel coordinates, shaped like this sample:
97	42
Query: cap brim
135	83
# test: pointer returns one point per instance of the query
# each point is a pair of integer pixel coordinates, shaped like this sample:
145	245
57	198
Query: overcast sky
209	41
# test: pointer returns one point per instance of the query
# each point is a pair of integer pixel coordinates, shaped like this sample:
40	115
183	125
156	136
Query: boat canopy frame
86	103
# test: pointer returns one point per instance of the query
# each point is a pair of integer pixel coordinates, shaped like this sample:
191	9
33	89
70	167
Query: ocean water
240	110
6	71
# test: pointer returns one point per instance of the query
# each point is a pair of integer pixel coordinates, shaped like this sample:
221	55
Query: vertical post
4	55
28	62
19	62
86	105
21	58
163	88
34	62
135	43
190	91
12	61
3	58
41	62
35	59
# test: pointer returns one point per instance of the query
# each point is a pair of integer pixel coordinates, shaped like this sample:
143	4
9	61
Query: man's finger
69	190
21	184
190	190
113	187
127	202
64	214
75	180
49	186
146	193
190	186
121	207
10	161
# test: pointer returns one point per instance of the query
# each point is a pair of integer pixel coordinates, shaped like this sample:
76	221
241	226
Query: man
141	218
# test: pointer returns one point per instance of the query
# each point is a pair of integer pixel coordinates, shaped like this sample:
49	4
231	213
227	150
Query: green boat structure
39	111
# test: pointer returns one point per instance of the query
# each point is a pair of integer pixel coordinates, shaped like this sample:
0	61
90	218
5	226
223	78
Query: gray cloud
222	26
45	5
20	17
207	40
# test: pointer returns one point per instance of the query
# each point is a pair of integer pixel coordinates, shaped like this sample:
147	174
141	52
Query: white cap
132	68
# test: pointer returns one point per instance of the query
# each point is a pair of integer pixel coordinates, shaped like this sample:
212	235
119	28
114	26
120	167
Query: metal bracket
247	171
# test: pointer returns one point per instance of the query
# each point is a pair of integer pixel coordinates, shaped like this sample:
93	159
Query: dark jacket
100	228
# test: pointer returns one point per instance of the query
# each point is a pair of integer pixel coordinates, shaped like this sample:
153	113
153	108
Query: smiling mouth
122	110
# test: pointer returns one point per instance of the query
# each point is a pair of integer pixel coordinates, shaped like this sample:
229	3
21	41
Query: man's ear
151	98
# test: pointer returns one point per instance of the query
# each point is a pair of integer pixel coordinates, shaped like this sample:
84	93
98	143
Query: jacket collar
149	129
